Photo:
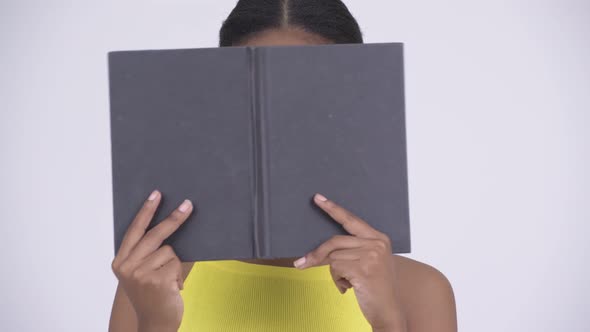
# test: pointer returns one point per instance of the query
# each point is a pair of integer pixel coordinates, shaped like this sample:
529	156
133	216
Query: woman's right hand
150	275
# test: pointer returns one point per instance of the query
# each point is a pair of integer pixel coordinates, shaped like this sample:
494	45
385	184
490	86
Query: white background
498	103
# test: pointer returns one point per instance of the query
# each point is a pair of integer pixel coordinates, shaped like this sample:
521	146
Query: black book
250	134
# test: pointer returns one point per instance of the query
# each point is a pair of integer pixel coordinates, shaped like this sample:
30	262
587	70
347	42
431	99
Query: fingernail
153	195
298	263
184	206
321	197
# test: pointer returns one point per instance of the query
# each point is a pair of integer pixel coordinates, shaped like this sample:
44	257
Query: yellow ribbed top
236	296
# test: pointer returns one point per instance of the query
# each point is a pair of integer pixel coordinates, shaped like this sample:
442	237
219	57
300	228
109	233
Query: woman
157	292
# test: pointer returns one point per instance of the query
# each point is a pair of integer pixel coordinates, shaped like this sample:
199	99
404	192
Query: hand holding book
150	273
363	261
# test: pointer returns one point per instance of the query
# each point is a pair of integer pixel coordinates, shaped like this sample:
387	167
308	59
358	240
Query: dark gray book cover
250	134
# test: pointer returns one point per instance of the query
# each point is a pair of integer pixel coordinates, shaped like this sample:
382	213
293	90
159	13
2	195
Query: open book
250	134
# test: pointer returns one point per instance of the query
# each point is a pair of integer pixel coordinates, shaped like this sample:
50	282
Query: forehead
284	36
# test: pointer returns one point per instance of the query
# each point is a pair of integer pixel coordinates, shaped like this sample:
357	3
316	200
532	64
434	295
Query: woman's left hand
362	260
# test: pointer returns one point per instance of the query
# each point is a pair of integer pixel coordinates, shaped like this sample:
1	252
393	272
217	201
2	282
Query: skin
395	293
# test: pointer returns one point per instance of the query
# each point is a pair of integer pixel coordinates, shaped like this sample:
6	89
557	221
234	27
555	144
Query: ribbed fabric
235	296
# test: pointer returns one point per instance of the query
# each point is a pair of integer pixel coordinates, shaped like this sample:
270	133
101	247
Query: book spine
260	191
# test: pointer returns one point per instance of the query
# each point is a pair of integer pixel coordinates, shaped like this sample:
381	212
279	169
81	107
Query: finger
351	223
346	254
138	226
158	258
171	273
344	273
372	248
343	285
154	238
319	255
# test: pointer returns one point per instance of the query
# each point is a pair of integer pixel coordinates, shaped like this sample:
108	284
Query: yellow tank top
236	296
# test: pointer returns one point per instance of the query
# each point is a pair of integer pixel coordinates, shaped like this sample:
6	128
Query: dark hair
329	19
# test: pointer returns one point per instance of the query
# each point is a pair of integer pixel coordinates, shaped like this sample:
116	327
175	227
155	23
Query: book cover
250	134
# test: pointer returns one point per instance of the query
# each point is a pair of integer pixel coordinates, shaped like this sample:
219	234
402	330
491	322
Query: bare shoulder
419	274
426	295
